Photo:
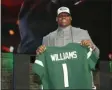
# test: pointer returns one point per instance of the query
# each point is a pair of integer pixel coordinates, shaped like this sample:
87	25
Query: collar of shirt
64	31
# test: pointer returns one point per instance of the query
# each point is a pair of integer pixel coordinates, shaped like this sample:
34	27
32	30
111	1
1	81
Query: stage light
11	32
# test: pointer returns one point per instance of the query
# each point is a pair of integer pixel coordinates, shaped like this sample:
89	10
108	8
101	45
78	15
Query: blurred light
78	2
17	22
11	2
11	48
11	32
110	56
5	48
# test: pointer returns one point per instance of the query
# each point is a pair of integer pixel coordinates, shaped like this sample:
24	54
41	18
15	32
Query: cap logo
63	9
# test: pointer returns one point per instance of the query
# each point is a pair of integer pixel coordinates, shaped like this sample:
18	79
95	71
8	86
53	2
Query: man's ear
71	18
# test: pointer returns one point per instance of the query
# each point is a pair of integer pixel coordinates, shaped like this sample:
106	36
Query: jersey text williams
64	56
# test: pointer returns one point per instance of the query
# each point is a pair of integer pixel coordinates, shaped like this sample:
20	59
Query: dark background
91	15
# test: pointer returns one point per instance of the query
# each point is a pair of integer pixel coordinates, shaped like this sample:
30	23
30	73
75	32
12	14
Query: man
66	33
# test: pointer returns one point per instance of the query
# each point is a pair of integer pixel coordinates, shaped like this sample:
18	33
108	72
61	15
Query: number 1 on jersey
65	72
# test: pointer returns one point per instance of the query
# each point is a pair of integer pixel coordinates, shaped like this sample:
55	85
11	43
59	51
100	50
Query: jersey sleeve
39	65
92	58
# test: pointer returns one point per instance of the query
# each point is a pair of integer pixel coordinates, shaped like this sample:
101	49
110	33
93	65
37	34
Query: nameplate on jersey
63	56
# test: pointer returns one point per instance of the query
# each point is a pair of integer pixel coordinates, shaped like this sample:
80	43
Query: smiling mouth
64	20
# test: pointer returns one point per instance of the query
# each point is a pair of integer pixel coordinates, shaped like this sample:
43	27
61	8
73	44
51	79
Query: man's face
64	19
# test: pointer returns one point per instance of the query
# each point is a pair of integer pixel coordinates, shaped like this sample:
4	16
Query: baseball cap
63	9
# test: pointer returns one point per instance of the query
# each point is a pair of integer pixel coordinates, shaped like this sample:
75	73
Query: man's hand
40	49
87	43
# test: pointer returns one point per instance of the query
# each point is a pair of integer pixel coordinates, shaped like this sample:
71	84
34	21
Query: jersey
67	67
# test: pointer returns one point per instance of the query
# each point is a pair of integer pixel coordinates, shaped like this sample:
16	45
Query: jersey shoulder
70	46
75	45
